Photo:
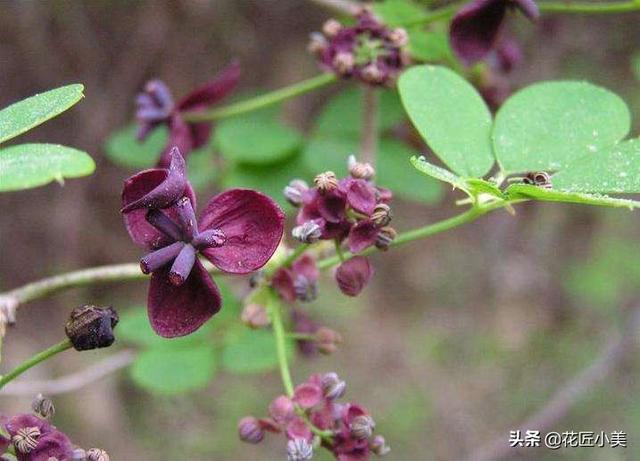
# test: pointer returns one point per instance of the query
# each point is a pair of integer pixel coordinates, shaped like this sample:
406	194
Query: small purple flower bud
79	454
360	170
326	182
362	427
26	439
250	431
399	37
331	28
333	387
382	214
306	290
91	327
282	409
385	237
372	74
307	395
344	62
97	454
327	340
353	275
294	191
299	450
378	446
308	232
182	265
43	406
255	316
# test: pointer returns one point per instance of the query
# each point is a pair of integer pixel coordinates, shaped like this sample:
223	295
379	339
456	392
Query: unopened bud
327	340
378	446
299	450
91	327
79	454
343	62
382	214
306	290
362	427
97	454
372	74
43	406
331	28
255	316
332	386
360	170
308	232
294	191
385	237
249	430
317	43
326	182
399	37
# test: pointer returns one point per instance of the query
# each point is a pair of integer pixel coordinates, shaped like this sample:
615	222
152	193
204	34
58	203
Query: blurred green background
458	339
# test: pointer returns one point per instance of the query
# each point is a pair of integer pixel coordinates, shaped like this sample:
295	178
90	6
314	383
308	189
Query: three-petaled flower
238	232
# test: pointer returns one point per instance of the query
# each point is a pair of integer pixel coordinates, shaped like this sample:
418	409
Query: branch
568	396
73	381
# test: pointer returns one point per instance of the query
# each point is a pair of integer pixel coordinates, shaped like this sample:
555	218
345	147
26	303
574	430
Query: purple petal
180	137
362	235
331	206
54	445
140	230
253	224
22	421
212	91
529	8
353	275
475	28
162	195
298	429
178	311
307	395
361	195
282	410
306	265
282	282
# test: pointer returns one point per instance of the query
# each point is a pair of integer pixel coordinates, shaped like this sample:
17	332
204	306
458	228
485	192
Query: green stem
589	8
33	361
264	100
280	337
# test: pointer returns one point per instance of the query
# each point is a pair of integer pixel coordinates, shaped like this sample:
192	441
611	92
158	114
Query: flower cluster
476	28
237	232
368	51
33	438
155	106
313	417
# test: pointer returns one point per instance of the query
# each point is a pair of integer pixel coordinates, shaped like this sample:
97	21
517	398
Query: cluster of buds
313	417
33	438
368	50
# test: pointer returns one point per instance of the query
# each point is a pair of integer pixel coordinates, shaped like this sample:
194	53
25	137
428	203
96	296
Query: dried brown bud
255	316
385	237
43	406
91	327
307	232
382	214
331	28
360	170
97	454
326	182
327	340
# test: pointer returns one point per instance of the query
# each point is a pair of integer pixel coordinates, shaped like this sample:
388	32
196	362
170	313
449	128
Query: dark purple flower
353	275
298	282
475	28
155	106
35	439
308	395
368	51
238	231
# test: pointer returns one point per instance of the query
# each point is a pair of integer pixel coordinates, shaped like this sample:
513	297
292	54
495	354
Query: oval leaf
124	149
31	165
547	126
31	112
530	192
616	170
451	117
174	371
251	351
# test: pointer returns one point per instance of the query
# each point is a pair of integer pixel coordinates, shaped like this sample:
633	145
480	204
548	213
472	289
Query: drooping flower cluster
238	232
313	417
33	438
368	51
476	28
155	106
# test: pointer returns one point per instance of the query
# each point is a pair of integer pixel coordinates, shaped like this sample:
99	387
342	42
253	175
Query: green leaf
430	46
614	170
547	126
480	186
451	116
251	351
174	371
422	165
124	149
526	191
33	111
201	168
398	12
24	166
256	142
